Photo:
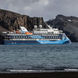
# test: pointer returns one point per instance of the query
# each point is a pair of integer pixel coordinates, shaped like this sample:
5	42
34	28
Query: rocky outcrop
11	21
68	24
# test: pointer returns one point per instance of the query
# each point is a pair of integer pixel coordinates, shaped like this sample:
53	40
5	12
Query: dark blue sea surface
38	57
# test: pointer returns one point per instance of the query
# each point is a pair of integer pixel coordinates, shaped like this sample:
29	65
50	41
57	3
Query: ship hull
34	42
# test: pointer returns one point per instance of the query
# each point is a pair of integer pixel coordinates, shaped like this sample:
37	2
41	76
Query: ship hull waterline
34	42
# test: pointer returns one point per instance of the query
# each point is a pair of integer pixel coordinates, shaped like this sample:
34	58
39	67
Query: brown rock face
11	21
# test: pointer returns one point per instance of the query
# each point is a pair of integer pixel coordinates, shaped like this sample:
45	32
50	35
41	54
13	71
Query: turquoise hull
34	42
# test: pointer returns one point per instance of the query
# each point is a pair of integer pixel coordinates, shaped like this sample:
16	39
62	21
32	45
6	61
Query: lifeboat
28	33
18	32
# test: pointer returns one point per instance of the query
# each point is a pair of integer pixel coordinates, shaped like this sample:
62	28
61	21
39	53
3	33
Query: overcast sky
47	9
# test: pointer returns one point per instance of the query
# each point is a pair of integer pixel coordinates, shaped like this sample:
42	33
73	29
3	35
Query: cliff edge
11	21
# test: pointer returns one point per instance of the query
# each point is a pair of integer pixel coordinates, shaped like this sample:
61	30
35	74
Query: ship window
25	36
45	37
56	37
15	36
53	37
19	36
12	37
50	36
22	36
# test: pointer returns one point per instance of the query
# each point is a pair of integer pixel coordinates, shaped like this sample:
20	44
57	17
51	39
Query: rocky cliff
11	21
68	24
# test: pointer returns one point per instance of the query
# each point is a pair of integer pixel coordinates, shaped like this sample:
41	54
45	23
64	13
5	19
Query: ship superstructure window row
33	36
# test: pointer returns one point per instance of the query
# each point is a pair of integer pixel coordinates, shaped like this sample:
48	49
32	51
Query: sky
48	9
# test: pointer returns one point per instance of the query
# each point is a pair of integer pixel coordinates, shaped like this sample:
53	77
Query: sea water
38	57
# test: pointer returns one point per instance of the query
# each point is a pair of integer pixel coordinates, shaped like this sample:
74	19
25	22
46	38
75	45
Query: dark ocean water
38	57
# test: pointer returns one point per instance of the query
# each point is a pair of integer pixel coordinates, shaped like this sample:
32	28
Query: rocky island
10	21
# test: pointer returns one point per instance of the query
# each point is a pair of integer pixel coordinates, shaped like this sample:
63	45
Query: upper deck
37	33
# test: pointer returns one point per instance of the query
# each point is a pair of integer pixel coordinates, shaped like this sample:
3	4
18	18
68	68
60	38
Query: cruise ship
39	35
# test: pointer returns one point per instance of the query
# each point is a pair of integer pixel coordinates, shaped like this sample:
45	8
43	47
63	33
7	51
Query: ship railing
34	39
